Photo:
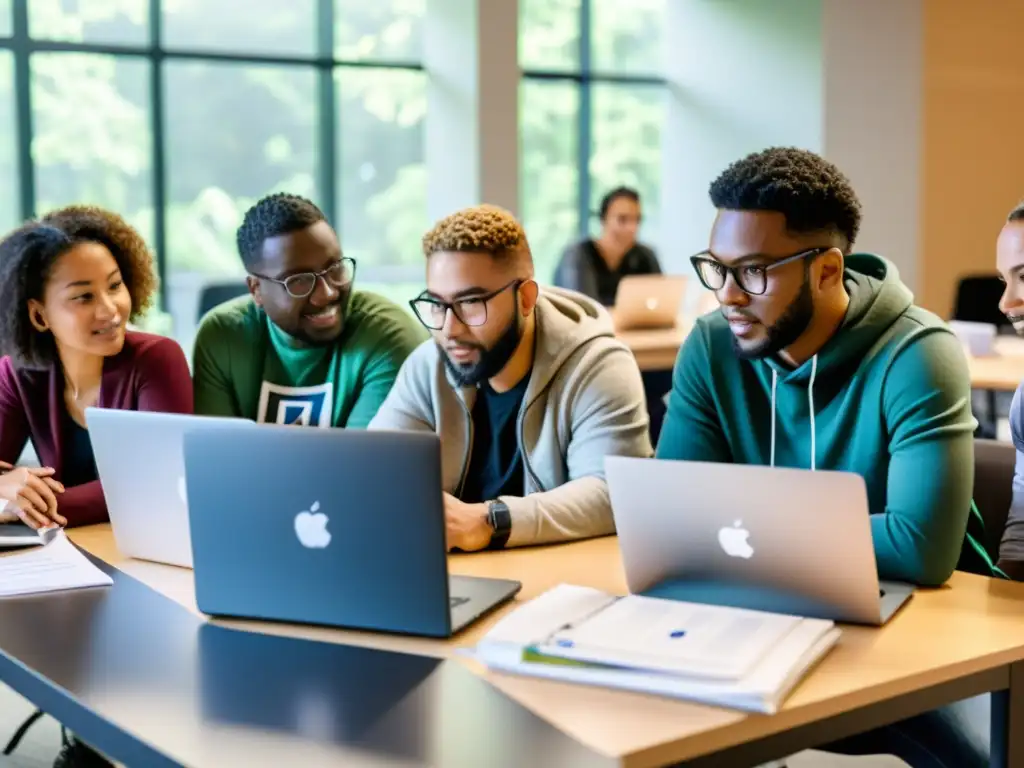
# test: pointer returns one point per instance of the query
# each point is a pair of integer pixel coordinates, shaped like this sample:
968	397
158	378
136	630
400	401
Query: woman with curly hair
69	284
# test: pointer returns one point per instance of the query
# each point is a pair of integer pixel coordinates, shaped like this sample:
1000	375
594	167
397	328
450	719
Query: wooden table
947	644
656	350
995	373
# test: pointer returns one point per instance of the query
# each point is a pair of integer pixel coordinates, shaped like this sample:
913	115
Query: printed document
56	566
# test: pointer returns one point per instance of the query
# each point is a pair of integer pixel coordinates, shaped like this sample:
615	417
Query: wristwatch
500	519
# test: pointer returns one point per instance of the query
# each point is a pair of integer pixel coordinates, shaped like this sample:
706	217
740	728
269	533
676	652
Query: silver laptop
648	301
340	527
776	539
141	465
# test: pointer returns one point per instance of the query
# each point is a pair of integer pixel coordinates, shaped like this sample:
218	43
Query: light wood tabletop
655	350
1003	371
996	373
969	632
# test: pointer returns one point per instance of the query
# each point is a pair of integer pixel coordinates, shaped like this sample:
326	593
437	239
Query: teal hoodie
887	397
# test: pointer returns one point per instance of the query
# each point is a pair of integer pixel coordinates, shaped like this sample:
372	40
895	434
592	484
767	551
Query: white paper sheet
56	566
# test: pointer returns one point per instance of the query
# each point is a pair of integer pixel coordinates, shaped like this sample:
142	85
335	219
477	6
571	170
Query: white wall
743	75
837	77
873	62
472	123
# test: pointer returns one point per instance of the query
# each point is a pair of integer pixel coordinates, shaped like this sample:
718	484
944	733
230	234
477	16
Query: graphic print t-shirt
246	366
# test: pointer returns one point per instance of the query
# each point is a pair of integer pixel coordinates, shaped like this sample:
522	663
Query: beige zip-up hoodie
585	400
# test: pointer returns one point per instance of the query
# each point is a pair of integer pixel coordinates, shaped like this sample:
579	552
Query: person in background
69	284
819	359
1010	262
528	389
304	347
595	267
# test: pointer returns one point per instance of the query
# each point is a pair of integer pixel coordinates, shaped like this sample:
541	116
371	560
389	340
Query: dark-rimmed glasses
302	284
471	311
752	278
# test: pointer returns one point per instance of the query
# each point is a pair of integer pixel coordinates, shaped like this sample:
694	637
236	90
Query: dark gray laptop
327	526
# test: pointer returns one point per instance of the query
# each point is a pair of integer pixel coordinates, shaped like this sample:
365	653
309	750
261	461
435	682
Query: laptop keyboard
455	601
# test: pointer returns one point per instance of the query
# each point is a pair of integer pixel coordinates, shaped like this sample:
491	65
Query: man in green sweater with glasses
304	347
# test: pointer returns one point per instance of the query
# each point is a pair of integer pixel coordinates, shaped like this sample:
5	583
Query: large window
591	115
8	142
179	114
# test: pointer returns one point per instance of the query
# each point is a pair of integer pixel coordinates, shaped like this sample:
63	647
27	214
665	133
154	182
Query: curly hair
812	193
484	228
274	215
27	258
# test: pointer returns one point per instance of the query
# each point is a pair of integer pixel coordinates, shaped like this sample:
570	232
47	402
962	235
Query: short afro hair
812	193
27	258
273	216
481	229
1017	214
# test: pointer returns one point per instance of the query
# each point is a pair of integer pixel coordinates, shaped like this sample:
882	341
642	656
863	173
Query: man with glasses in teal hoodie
819	359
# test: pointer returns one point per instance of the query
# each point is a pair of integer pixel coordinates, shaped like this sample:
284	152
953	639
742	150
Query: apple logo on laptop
311	528
652	303
734	541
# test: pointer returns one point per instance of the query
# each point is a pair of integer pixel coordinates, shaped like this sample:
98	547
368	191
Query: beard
784	331
491	360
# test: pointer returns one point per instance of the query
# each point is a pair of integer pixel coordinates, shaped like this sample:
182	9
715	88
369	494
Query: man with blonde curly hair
528	388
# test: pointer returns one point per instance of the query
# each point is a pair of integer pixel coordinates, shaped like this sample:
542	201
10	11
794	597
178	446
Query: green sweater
891	400
246	366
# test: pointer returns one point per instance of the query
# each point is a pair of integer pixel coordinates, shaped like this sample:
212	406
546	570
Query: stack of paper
56	566
731	657
19	535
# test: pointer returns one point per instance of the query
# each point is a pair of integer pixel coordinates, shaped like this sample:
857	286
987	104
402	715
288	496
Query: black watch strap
500	518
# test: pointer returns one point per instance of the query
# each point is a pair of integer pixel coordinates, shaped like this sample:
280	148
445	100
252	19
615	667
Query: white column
873	101
472	124
743	75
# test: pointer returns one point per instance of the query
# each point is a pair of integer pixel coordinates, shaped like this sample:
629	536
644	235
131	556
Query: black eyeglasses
471	311
752	278
300	285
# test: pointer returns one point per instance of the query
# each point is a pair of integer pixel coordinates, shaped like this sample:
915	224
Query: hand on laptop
466	525
31	494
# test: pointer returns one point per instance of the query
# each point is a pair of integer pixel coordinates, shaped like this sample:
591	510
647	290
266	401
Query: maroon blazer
149	374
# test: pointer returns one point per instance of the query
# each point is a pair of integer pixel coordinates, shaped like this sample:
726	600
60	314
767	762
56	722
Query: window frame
585	77
324	62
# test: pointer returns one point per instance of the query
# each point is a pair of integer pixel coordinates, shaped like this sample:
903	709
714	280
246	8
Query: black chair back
977	300
993	488
216	294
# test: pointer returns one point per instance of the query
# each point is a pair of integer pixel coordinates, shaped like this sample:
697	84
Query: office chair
993	488
977	301
216	294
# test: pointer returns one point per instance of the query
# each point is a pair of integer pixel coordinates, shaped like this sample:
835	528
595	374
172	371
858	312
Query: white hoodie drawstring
810	405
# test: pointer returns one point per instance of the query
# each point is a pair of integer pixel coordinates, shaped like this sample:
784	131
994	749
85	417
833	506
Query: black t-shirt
79	462
495	464
639	260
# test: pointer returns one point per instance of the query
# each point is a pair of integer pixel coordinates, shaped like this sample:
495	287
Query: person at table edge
69	285
1010	262
594	267
303	347
528	388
